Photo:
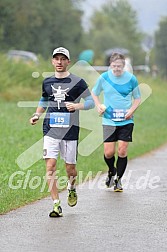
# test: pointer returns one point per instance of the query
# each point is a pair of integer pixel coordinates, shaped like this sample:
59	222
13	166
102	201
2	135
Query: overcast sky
149	12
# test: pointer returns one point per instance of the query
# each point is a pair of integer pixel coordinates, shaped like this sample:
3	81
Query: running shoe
118	186
110	181
57	210
72	197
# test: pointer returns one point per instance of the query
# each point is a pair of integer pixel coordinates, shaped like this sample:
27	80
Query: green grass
17	135
150	120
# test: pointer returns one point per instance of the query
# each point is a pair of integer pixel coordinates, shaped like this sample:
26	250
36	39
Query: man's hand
101	109
129	114
34	119
70	106
74	106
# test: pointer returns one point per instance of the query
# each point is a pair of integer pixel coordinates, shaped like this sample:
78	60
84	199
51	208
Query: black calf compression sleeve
121	166
110	164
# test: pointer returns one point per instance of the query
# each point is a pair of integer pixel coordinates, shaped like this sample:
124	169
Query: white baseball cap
61	50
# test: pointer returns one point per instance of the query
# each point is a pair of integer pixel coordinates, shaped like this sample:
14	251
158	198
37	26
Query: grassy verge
19	186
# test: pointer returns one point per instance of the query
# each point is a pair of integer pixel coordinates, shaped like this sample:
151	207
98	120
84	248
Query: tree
40	26
161	46
115	25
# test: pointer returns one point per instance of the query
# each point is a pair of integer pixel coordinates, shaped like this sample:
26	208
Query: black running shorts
115	133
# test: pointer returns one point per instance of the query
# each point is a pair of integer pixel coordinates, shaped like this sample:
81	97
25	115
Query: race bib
61	120
118	114
115	114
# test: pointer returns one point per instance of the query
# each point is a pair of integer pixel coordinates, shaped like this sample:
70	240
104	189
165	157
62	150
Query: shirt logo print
59	94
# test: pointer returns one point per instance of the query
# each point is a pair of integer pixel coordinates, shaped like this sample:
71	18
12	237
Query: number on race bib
58	119
115	114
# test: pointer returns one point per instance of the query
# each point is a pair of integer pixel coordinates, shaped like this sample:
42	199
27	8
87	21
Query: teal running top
118	95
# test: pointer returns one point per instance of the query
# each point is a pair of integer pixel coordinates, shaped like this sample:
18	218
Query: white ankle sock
70	187
56	201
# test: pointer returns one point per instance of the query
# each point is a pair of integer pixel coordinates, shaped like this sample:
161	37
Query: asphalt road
103	220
